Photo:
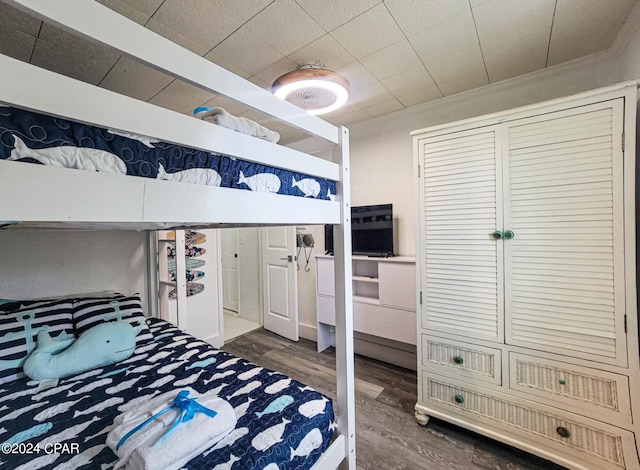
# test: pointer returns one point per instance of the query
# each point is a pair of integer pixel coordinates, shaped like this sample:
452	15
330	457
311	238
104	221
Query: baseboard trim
382	349
399	354
309	332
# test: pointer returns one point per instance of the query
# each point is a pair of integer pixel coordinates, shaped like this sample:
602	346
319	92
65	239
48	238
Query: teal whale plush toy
100	345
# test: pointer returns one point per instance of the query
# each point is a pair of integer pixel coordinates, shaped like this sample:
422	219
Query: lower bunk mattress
66	427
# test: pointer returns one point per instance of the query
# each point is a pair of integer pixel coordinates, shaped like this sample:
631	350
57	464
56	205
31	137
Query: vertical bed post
152	273
344	305
181	280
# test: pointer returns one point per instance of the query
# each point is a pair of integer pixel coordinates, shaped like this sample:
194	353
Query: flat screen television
371	231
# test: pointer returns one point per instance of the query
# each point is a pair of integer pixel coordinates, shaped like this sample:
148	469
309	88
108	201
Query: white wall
250	295
626	48
43	263
630	60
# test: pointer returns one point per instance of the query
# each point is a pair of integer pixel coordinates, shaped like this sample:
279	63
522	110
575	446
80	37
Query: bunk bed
50	196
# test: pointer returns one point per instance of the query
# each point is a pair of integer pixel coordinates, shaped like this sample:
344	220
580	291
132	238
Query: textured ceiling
395	53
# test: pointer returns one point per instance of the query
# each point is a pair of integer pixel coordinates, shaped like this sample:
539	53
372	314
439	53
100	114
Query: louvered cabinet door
564	268
461	265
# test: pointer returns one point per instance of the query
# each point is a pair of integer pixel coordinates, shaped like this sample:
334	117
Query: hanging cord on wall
307	242
299	245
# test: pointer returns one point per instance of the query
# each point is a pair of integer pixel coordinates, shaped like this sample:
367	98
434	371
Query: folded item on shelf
223	118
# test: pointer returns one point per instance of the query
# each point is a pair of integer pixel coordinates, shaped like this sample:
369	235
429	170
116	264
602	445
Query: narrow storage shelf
366	279
366	300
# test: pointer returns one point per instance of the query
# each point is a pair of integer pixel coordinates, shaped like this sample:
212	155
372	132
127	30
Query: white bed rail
38	193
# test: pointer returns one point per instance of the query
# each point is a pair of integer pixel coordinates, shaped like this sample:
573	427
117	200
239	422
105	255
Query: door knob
508	234
288	259
497	235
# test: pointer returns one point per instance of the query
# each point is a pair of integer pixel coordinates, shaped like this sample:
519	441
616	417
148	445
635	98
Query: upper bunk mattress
36	138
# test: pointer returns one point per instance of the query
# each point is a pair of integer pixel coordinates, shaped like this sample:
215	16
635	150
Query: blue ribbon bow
188	408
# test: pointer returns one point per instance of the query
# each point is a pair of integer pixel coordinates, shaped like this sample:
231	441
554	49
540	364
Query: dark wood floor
387	435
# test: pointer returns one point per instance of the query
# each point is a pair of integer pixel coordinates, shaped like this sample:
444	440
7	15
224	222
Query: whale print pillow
93	311
19	328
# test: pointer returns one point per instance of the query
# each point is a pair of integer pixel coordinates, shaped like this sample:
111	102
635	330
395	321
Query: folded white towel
185	442
223	118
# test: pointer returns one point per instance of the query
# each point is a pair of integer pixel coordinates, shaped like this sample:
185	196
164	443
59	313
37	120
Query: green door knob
562	381
497	235
459	399
563	432
508	234
458	360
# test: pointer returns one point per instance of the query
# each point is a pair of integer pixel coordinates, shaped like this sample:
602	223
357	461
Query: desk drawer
326	309
386	322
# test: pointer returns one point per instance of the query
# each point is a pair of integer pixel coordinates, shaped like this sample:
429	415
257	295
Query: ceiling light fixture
313	88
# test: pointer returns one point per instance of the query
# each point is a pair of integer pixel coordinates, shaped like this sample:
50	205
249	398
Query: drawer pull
458	360
459	399
563	432
562	381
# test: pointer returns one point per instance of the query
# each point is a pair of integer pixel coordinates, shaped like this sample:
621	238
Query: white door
229	257
279	281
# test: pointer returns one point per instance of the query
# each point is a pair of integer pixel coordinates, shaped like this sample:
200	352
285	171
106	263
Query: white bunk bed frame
73	198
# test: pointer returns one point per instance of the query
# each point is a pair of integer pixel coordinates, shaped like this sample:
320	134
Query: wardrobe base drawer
590	392
594	445
462	361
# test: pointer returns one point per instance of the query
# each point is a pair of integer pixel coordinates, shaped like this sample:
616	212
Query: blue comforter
67	426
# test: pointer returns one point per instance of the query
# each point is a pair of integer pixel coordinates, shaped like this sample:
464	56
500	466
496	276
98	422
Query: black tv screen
328	240
371	231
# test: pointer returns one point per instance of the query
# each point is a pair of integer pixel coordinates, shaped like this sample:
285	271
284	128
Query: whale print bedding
36	138
281	423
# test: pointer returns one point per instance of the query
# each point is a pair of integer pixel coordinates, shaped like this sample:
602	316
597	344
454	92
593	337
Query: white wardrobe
527	326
